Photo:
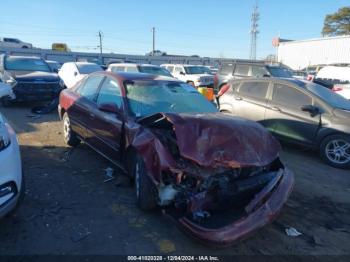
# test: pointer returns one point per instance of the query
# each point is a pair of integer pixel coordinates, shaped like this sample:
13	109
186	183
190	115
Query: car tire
70	137
145	191
335	150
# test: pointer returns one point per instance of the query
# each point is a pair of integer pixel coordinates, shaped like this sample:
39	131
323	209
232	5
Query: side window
258	71
117	68
178	69
131	69
241	70
90	87
110	93
290	97
226	69
254	89
170	69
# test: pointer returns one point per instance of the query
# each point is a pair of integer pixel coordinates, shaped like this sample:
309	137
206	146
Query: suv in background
30	78
138	68
14	43
196	75
246	68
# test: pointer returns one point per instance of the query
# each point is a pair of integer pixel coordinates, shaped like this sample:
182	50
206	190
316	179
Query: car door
107	127
285	118
250	100
82	112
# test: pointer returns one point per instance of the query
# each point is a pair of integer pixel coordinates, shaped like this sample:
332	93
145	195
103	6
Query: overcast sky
215	28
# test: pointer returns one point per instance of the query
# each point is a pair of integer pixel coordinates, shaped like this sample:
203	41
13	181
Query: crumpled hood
28	76
218	139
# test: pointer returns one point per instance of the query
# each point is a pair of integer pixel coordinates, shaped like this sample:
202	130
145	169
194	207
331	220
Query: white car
72	72
192	74
140	68
14	43
339	76
11	180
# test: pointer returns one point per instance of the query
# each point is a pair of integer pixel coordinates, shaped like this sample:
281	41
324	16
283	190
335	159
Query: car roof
132	64
124	76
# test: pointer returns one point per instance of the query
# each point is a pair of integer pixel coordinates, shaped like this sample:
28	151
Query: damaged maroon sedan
218	176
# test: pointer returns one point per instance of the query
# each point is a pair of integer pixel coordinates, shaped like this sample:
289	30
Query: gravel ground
69	209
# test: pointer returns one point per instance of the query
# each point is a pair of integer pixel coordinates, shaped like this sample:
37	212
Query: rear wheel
70	137
145	190
335	151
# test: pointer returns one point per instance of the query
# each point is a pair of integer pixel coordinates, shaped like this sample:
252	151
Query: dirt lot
68	209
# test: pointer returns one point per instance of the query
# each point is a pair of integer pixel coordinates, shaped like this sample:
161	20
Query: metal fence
62	57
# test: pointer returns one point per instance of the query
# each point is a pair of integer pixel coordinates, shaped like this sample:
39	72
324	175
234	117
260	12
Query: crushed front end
223	208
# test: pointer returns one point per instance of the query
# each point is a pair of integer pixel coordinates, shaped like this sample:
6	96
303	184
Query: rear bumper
259	215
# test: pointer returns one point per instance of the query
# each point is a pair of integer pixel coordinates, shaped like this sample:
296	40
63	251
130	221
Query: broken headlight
4	135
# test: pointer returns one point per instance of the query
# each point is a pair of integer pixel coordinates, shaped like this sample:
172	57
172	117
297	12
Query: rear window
154	70
226	69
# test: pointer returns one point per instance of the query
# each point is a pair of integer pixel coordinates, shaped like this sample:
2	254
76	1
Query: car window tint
241	70
178	69
170	69
109	93
254	89
117	68
289	96
226	69
258	71
131	69
90	86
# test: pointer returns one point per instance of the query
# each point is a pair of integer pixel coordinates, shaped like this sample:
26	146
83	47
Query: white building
327	50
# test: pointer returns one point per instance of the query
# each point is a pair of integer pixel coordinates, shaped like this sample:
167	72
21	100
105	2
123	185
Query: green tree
337	23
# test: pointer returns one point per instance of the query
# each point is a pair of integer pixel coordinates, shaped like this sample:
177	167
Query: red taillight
223	89
310	78
337	88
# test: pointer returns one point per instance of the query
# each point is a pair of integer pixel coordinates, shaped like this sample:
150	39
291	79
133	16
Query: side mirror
75	73
182	73
313	110
266	75
55	70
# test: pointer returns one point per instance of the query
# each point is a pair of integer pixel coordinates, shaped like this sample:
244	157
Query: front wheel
145	190
70	137
335	151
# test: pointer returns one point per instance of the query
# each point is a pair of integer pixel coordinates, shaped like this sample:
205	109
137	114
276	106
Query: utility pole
254	31
100	35
154	40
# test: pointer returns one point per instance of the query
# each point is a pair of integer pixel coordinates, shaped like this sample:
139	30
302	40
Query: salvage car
11	181
296	111
30	78
219	177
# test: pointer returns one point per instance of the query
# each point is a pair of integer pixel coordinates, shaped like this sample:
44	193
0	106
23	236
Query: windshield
280	72
196	70
88	68
26	64
150	97
331	98
154	70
